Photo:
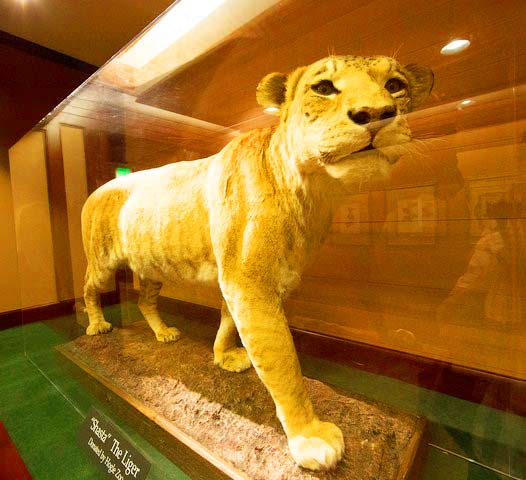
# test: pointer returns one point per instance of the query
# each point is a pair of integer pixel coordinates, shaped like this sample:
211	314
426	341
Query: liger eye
325	87
394	85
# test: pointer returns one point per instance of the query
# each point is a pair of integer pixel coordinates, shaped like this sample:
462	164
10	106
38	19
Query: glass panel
422	272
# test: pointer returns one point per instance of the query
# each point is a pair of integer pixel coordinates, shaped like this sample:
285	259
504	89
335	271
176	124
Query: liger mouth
364	149
329	159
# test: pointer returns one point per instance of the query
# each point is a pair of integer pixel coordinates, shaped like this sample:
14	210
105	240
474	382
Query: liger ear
421	79
271	91
277	88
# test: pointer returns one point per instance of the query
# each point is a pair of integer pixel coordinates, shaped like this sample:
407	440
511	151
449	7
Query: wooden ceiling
220	87
202	104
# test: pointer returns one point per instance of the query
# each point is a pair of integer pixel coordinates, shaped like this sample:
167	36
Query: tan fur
251	217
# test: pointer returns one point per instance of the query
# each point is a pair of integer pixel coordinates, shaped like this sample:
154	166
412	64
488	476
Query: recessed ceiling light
464	103
272	109
455	46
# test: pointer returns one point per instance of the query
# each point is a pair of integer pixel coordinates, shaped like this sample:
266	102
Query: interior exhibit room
263	240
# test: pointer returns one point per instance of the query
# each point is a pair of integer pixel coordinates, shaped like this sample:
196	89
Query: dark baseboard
17	318
46	53
476	386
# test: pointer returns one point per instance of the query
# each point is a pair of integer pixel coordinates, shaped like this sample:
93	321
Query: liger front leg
263	329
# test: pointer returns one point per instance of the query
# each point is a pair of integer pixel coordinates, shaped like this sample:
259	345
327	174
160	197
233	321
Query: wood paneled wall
432	262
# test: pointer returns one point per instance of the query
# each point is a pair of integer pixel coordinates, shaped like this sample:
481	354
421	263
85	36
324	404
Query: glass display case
413	309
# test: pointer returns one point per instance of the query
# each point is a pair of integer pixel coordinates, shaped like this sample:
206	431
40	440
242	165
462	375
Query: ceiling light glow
466	102
272	109
455	46
178	21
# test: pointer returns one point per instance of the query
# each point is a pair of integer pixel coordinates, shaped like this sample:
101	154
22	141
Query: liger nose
366	115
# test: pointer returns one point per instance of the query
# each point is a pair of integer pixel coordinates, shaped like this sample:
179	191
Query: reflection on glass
491	291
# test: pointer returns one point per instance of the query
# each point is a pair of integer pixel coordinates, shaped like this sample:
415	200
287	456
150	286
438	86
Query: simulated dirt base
229	418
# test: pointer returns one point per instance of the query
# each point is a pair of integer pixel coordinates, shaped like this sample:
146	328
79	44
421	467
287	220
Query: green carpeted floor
42	407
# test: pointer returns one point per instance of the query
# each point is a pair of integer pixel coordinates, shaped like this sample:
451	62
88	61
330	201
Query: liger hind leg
227	354
149	292
94	284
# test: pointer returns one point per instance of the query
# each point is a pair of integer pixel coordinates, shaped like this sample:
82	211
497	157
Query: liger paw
167	334
233	360
319	447
99	327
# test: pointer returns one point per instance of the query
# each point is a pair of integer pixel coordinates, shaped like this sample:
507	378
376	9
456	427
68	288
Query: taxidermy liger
252	216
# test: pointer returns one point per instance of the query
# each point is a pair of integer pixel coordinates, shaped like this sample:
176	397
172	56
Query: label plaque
107	447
